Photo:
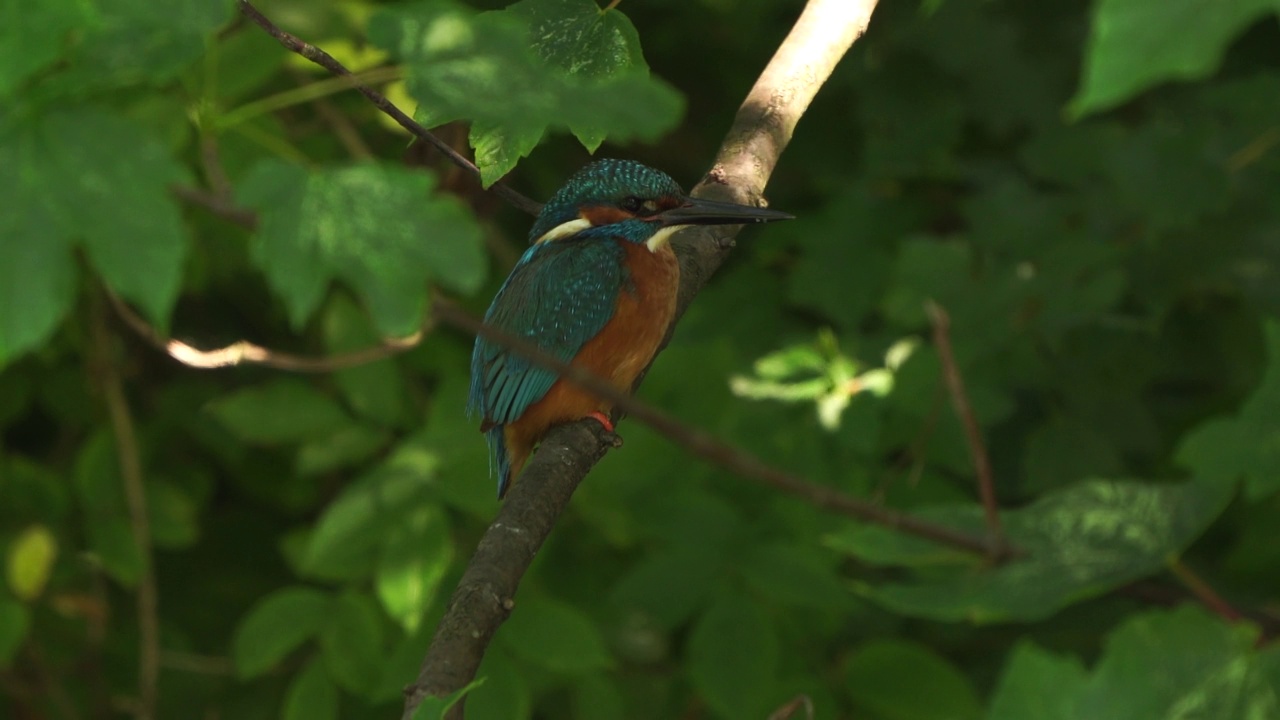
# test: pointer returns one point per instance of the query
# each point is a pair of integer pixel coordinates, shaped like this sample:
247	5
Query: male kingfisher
597	287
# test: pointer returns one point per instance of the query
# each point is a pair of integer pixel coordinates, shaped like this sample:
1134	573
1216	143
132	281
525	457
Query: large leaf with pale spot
539	65
90	177
1079	543
377	228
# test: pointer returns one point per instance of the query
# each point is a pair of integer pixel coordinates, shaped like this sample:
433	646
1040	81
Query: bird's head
628	200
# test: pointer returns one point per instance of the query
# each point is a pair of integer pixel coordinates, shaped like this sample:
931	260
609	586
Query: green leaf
1223	450
515	73
900	680
375	390
1136	44
796	574
14	622
555	636
505	694
278	412
30	561
90	177
312	694
414	557
133	44
174	514
1081	542
733	658
352	640
363	517
378	228
32	36
105	513
1038	684
345	447
1178	663
672	584
434	708
276	625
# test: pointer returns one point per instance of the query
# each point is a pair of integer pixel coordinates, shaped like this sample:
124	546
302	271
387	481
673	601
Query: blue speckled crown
603	182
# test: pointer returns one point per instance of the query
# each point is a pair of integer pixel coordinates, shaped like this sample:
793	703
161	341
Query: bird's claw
610	436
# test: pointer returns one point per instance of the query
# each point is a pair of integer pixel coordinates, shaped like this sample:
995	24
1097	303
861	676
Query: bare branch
327	61
244	352
1204	592
973	433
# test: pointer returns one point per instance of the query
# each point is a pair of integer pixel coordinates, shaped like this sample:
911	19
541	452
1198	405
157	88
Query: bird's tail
499	457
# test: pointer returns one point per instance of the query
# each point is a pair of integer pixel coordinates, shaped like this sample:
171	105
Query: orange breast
646	306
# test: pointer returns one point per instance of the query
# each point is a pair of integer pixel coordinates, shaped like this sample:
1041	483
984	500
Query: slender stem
305	94
1203	591
973	433
107	377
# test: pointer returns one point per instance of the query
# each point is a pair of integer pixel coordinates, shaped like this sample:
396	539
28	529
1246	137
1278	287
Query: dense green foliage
1092	192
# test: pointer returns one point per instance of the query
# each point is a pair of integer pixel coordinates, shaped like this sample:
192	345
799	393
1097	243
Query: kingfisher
597	289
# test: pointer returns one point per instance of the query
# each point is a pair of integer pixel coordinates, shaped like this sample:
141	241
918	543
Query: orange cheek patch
604	215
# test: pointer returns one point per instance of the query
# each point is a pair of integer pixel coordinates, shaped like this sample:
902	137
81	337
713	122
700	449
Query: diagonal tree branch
484	597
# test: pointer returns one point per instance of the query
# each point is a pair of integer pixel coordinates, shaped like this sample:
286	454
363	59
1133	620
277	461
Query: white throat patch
661	237
564	229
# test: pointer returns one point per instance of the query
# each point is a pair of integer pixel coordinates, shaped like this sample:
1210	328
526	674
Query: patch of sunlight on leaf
822	374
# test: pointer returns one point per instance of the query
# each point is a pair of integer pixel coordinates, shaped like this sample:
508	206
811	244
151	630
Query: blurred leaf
413	560
555	636
899	680
174	514
346	447
1081	542
1138	43
375	390
311	695
277	625
515	73
14	622
91	177
360	520
434	708
375	227
278	412
597	697
34	35
671	585
1037	683
505	694
733	657
795	574
1224	450
30	561
352	641
1178	663
105	514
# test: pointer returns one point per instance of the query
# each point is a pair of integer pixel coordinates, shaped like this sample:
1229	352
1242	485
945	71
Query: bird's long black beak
696	211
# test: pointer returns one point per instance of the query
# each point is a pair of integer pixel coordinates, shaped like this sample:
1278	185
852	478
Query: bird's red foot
602	419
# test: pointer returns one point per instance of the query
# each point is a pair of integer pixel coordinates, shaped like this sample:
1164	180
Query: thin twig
793	706
326	61
1204	592
216	204
709	448
106	375
244	352
973	434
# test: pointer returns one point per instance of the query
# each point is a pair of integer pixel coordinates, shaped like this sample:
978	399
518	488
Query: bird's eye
632	204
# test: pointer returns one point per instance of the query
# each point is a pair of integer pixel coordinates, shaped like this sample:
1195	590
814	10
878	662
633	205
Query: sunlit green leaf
1037	683
29	561
375	227
413	560
1137	43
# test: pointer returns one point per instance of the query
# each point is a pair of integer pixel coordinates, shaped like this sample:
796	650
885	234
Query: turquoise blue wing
560	295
